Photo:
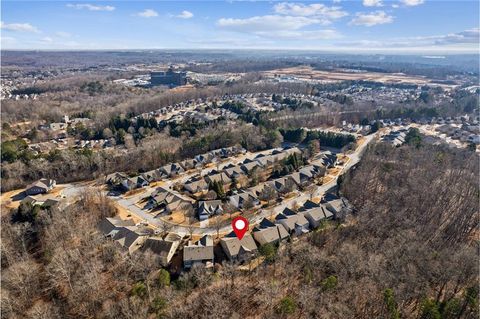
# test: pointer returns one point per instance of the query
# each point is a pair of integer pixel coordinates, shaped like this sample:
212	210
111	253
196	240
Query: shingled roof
233	246
201	250
267	232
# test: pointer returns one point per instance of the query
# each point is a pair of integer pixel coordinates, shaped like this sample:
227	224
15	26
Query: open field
307	72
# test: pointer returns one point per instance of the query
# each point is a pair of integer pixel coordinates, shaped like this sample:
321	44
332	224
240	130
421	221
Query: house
306	174
172	169
109	226
234	172
219	177
195	185
269	233
257	190
293	222
299	178
238	250
130	238
167	201
134	182
315	213
163	248
338	206
187	164
229	151
329	160
249	167
239	200
115	178
312	171
200	253
152	176
283	184
40	187
203	158
209	208
266	160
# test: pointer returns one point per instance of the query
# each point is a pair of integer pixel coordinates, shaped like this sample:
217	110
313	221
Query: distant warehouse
170	78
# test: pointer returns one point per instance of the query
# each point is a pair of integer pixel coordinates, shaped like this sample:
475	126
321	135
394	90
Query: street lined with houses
288	199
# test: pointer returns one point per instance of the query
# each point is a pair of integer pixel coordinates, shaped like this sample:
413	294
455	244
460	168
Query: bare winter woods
409	251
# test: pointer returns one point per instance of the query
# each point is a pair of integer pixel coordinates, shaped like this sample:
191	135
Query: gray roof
161	247
107	225
268	232
43	183
247	167
116	177
289	219
202	250
196	185
127	236
219	177
234	171
336	205
232	245
163	195
210	207
318	213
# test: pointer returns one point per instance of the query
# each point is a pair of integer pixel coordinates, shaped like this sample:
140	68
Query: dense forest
409	250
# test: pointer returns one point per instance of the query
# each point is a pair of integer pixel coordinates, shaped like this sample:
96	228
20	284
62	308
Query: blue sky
352	26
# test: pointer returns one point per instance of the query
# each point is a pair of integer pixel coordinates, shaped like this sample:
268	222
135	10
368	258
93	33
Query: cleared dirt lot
306	72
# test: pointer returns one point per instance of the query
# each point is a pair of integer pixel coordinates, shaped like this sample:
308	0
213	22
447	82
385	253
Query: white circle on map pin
240	224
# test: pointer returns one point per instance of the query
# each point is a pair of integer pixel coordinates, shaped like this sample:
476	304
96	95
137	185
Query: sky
351	26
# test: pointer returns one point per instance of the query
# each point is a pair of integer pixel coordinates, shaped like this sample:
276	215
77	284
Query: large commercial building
170	78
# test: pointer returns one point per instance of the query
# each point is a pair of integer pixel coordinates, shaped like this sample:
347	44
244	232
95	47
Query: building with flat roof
170	78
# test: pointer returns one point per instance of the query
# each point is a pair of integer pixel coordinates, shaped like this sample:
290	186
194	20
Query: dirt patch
134	192
333	171
327	179
11	200
57	190
176	218
126	214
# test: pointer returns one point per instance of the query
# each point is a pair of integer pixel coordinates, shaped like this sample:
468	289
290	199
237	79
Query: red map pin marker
240	226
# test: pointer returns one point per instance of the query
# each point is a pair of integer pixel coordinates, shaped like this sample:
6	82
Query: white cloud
148	13
463	38
288	22
63	34
372	18
395	6
412	3
185	15
302	35
20	27
266	23
372	3
466	36
46	40
312	10
91	7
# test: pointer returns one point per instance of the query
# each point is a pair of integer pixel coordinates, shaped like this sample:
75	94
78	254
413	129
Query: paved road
129	203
